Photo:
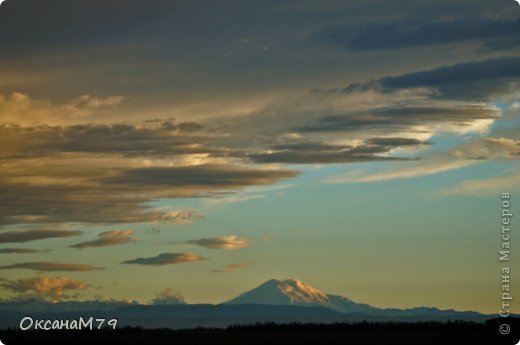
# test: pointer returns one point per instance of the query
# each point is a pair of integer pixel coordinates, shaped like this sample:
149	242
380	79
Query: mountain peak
295	292
283	292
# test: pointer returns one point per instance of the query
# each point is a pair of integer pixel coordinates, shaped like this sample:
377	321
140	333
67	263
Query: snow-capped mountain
295	292
283	292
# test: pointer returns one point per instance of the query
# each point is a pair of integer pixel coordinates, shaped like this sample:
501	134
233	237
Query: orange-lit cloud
49	288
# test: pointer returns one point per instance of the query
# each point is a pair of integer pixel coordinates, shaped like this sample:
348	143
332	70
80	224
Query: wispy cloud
230	242
20	236
166	259
233	199
486	186
408	170
108	238
22	251
52	266
231	268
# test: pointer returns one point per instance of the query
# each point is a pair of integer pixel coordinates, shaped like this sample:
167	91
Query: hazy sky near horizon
155	148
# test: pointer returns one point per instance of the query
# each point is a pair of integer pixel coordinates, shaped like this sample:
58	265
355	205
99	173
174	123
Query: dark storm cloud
491	33
19	236
52	267
166	259
469	80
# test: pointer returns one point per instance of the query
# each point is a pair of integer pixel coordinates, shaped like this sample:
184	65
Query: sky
171	150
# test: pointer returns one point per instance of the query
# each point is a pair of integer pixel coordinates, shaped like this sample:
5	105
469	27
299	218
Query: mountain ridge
279	301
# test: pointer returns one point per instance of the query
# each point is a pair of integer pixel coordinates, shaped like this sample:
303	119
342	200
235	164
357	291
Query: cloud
232	199
58	187
474	80
490	148
197	177
186	216
409	170
68	158
462	118
168	296
52	267
230	242
52	174
22	109
321	153
298	157
48	288
413	32
22	251
391	142
20	236
486	186
466	154
41	35
231	268
166	259
124	139
90	102
107	238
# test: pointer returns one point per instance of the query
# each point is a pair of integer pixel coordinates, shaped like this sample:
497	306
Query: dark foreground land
359	333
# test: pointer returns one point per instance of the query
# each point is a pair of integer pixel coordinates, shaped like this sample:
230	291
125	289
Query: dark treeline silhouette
424	333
